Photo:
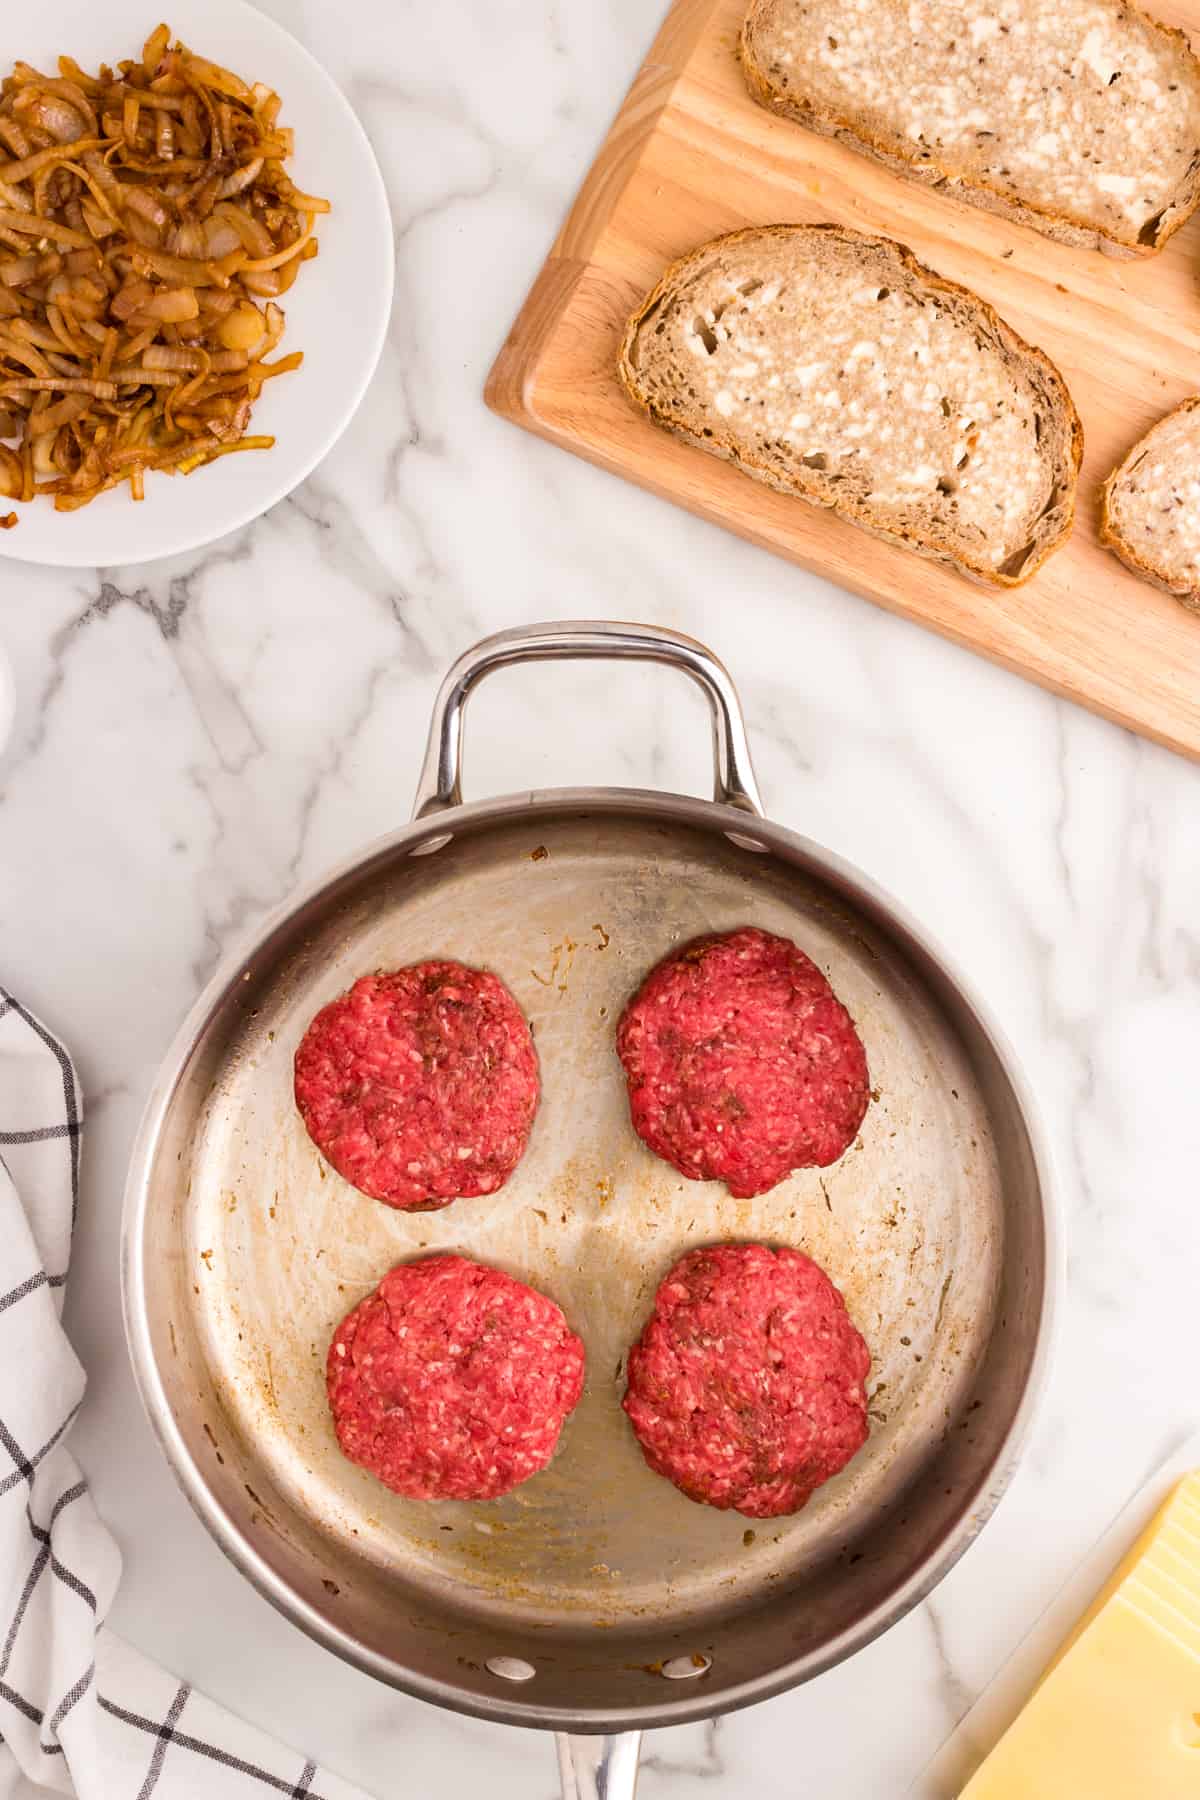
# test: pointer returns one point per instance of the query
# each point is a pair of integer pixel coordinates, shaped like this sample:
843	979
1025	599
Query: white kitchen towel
80	1711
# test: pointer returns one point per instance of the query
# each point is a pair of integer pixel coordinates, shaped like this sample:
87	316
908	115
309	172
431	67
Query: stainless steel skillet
595	1599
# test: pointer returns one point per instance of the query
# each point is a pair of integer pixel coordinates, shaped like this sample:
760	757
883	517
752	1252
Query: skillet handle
440	784
599	1768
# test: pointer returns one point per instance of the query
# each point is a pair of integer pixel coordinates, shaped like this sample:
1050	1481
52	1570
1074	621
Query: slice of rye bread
835	367
1150	508
1078	117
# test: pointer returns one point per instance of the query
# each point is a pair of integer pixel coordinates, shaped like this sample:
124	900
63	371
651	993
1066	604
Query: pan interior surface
595	1570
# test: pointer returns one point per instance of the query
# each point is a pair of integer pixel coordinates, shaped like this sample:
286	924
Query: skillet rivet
686	1668
510	1668
432	845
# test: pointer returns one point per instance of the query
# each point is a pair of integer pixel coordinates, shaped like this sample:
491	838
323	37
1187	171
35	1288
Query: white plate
337	310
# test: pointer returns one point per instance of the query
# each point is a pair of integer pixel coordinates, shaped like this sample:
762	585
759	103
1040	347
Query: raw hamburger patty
452	1381
420	1086
742	1062
747	1386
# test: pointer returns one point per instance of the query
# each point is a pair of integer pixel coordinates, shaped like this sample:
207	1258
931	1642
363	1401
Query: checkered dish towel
80	1711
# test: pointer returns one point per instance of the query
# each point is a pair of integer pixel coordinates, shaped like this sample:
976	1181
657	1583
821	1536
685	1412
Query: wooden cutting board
690	156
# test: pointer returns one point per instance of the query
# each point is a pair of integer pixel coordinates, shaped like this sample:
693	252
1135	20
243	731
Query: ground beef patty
452	1381
747	1386
742	1062
420	1085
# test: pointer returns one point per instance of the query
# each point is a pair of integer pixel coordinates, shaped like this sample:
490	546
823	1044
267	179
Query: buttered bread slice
1078	117
1151	509
838	369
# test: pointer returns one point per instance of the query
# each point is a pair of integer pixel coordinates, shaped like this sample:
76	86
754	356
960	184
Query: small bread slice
1078	117
837	368
1150	512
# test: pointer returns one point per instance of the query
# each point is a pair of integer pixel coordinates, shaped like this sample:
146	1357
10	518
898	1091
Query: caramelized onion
73	407
37	226
151	225
242	328
58	118
173	356
146	204
167	306
12	476
60	384
32	162
251	232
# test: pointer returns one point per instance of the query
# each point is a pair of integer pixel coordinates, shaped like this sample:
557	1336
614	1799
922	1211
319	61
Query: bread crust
1186	592
1081	234
801	483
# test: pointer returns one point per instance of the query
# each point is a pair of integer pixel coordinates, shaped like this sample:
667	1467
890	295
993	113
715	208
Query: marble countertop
194	738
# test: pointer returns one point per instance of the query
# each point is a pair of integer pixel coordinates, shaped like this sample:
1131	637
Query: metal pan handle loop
440	784
599	1768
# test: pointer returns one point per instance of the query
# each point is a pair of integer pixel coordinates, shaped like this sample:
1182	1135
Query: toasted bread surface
1150	508
838	369
1080	118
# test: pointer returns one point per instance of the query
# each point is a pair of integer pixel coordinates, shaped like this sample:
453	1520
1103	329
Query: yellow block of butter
1117	1714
